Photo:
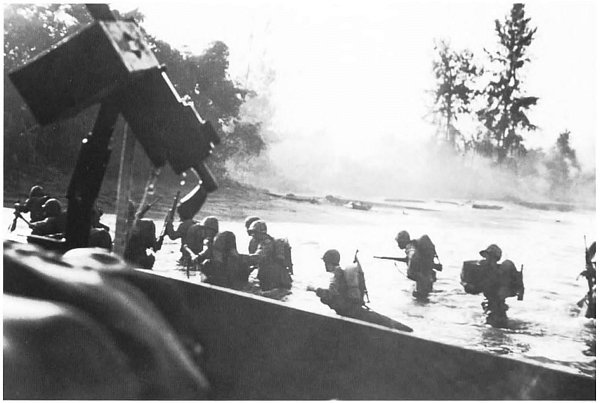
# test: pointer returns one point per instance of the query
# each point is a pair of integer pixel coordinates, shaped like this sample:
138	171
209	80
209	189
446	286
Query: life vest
355	283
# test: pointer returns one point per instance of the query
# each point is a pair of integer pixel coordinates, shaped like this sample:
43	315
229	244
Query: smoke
324	140
395	165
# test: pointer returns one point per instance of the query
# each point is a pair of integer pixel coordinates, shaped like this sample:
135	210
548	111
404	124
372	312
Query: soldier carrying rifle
420	255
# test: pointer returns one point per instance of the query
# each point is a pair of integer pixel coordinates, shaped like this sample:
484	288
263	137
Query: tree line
203	79
491	98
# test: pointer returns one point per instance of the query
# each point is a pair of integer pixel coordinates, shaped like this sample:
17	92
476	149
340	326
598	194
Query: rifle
396	259
193	257
13	226
436	266
362	274
18	215
168	221
147	208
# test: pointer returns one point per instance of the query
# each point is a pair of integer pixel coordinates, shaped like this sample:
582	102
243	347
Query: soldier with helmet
337	296
346	291
200	239
494	289
55	221
33	205
420	254
270	273
497	281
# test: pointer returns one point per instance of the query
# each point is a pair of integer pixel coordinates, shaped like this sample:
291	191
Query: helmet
258	226
36	191
52	208
211	222
493	250
250	220
402	237
332	256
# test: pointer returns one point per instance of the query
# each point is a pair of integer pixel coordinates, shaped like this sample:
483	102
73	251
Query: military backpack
283	254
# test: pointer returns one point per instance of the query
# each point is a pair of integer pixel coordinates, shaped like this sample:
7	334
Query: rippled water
546	327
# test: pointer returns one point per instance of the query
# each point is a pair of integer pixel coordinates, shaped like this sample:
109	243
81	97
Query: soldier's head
257	229
331	258
402	239
249	222
492	253
211	225
36	191
52	208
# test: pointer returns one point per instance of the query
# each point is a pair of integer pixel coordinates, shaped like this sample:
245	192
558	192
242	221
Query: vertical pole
123	190
88	175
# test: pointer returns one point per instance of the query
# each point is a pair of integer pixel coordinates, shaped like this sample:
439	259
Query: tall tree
455	74
504	115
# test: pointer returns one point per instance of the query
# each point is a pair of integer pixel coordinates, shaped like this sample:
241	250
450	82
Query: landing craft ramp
260	349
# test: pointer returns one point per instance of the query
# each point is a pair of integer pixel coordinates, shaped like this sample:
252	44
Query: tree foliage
504	114
455	74
203	79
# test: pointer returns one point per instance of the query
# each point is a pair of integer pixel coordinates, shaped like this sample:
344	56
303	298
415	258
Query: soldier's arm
333	289
261	254
206	251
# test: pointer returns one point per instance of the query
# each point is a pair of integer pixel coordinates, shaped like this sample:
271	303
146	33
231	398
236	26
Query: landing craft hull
261	349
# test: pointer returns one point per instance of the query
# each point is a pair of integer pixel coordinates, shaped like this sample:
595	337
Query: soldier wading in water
496	281
420	254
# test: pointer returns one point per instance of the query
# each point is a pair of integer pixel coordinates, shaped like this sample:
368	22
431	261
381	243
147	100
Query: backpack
514	278
355	283
426	247
283	254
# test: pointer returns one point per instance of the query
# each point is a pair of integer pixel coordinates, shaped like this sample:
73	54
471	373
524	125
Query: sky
350	78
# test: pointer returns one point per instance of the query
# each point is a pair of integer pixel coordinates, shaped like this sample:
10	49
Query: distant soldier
225	267
182	232
271	272
499	281
345	294
420	254
55	221
33	205
590	274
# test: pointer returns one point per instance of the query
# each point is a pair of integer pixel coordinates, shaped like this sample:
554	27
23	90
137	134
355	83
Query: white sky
352	75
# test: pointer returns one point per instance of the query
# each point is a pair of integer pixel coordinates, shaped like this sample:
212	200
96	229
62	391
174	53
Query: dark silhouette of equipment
109	62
